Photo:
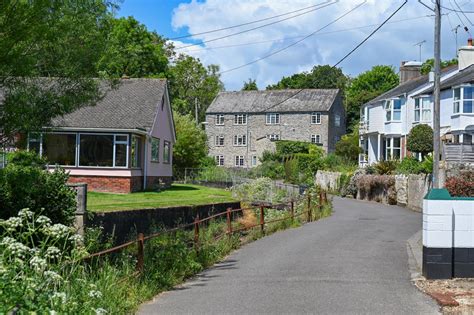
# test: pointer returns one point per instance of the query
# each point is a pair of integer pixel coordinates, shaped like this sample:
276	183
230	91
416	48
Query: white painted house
387	120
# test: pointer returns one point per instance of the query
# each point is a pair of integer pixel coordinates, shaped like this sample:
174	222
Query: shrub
288	147
269	156
373	187
348	147
351	188
411	165
386	167
461	186
270	169
420	139
301	167
24	185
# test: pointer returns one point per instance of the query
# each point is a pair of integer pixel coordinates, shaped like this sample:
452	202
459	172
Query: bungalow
122	144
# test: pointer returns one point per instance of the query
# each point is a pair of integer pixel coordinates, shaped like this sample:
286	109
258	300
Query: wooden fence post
196	232
262	219
320	206
325	198
310	212
140	252
229	223
292	209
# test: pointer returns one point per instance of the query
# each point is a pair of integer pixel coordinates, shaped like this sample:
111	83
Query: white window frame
316	139
421	108
390	148
390	110
337	120
114	143
272	118
273	137
315	118
169	158
240	140
219	160
239	161
220	141
254	160
153	141
240	119
220	120
40	140
458	103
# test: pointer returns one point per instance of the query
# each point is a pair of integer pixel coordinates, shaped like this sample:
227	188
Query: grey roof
264	101
131	104
464	76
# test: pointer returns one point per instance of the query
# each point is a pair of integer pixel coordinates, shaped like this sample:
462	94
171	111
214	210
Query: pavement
354	262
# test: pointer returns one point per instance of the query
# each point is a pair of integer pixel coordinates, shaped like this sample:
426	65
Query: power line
294	43
347	55
296	37
463	13
462	22
257	27
248	23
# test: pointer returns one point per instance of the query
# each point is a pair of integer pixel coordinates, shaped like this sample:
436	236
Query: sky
393	43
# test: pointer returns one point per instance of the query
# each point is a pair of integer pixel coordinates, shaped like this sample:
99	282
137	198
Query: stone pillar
81	206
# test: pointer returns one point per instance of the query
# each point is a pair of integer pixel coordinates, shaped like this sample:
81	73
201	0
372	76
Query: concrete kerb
415	256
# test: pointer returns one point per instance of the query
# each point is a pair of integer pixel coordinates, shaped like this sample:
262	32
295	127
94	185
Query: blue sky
391	45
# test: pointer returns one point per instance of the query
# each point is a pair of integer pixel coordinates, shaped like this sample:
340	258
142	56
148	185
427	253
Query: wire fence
310	205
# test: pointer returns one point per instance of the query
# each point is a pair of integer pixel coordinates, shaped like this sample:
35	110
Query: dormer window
422	109
463	98
393	110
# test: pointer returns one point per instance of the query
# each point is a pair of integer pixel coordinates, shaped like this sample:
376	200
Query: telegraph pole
436	93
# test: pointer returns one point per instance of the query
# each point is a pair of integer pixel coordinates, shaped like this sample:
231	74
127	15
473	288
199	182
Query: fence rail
196	225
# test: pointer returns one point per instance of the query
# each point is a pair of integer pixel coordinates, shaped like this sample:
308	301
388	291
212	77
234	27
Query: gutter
145	163
136	131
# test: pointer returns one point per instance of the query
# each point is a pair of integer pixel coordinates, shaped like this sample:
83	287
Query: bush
335	163
288	147
301	167
461	186
351	188
411	165
24	183
373	187
348	147
420	139
270	169
385	167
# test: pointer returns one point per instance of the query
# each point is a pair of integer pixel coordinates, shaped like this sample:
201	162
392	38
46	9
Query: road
354	262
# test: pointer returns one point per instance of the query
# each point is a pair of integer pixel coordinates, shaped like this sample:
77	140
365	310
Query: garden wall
125	224
328	180
411	189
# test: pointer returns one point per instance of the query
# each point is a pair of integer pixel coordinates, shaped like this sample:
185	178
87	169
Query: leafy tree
320	77
191	146
48	39
429	64
420	139
133	51
251	85
192	82
348	146
365	87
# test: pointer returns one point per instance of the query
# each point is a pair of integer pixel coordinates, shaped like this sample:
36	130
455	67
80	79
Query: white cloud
392	44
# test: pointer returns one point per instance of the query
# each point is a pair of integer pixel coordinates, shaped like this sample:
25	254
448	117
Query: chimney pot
469	42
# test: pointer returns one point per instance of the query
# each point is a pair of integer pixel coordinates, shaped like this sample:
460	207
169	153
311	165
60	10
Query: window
316	139
273	137
220	160
315	118
456	100
239	160
220	120
96	150
136	152
393	110
337	120
120	150
166	152
240	140
60	148
423	109
254	160
273	119
34	142
219	141
155	149
240	119
463	99
392	148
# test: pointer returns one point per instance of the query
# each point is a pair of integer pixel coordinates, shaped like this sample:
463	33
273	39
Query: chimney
466	55
409	70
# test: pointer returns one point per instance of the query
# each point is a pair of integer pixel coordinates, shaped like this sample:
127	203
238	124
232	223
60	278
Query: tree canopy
429	64
365	87
250	85
348	146
420	139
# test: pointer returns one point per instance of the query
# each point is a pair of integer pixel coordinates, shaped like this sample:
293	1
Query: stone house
241	125
124	143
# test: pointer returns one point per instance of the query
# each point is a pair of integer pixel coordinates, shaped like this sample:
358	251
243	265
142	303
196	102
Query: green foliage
289	147
429	64
31	186
301	167
320	77
191	146
461	186
335	163
411	165
420	139
348	147
133	51
271	169
250	85
387	167
270	156
365	87
191	82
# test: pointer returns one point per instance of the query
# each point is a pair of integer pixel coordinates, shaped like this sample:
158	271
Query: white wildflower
12	224
57	230
25	213
7	241
52	276
100	311
38	263
52	252
60	296
53	312
18	249
95	294
77	239
43	220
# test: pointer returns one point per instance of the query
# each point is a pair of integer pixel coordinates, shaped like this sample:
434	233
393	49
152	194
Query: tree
320	77
365	87
348	146
251	85
429	64
420	139
191	143
48	39
133	51
192	82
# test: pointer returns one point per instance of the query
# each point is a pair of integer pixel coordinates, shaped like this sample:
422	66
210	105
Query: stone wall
411	189
328	180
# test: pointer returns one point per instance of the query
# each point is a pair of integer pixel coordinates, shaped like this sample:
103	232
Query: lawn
177	195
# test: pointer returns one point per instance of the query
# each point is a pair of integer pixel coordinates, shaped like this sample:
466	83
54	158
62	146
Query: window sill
393	121
156	162
462	114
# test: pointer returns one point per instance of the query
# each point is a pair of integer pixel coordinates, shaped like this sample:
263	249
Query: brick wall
109	183
158	182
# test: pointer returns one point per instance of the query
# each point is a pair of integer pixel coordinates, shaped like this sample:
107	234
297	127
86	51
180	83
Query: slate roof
464	76
132	104
263	101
